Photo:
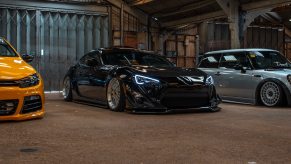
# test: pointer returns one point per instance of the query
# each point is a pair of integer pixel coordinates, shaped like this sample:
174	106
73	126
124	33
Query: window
233	59
135	58
210	61
6	51
268	59
90	59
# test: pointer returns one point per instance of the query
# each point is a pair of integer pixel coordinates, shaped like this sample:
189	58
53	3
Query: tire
67	89
214	109
271	94
115	95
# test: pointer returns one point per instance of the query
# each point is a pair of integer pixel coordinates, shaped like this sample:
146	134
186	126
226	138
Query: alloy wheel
113	93
270	94
66	88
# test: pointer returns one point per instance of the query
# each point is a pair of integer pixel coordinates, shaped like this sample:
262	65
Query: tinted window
90	59
268	59
6	51
135	58
231	60
210	61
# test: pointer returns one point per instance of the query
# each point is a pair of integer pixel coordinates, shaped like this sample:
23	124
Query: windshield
6	51
268	60
135	58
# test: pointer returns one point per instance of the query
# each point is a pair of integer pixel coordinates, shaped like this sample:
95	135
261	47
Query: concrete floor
75	133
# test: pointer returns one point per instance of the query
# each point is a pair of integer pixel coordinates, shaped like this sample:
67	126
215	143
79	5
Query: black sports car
138	81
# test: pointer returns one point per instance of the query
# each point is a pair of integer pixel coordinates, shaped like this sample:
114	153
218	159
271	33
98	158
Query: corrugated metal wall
56	39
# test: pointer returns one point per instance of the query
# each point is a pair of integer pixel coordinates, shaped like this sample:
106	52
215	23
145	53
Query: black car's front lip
171	98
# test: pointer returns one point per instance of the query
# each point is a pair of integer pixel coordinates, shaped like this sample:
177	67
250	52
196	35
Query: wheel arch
117	73
287	95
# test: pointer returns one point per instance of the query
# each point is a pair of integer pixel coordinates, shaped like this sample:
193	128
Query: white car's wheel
115	95
271	94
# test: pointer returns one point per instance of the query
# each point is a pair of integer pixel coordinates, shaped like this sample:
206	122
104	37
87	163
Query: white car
252	76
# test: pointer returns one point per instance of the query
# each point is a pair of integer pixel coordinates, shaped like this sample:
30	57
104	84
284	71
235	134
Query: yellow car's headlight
28	81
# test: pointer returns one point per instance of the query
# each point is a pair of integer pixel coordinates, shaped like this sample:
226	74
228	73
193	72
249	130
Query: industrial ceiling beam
263	4
140	2
195	19
183	9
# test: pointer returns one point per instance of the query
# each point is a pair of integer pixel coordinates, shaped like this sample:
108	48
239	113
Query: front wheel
67	89
115	96
271	94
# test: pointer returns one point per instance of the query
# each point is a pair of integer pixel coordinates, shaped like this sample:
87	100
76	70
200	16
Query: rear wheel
115	96
271	94
67	89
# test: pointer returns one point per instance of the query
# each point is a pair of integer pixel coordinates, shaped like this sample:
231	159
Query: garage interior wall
55	39
134	32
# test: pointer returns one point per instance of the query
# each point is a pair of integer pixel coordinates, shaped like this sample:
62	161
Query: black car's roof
120	49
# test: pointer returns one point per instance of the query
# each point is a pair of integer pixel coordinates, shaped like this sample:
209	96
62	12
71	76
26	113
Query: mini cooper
252	76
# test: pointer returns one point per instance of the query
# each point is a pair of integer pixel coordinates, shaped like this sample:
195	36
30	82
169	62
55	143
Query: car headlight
28	81
139	79
209	80
289	78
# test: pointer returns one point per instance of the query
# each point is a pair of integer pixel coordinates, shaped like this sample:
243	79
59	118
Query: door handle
257	75
217	74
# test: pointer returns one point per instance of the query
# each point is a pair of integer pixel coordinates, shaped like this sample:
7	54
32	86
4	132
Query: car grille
8	83
31	104
8	107
185	97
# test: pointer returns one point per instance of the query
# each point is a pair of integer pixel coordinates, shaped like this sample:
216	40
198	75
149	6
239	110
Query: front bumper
172	98
29	102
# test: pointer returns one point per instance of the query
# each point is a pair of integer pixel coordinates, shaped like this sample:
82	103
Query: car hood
14	68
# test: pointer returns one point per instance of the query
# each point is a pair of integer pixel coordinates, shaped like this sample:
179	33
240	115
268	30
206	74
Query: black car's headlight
209	80
139	79
28	81
289	78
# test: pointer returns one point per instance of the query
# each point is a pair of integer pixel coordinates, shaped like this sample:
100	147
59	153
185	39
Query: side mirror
27	58
92	62
240	67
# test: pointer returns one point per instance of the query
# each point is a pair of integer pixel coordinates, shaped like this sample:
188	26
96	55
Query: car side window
210	61
83	60
232	60
90	59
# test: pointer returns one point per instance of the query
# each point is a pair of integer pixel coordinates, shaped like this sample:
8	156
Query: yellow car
21	87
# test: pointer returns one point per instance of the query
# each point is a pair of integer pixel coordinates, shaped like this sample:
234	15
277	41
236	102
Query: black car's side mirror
92	62
27	58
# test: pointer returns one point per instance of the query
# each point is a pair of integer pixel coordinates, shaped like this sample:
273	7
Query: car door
236	77
82	78
92	78
98	78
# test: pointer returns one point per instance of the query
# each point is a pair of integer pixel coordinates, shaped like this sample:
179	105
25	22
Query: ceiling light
290	20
